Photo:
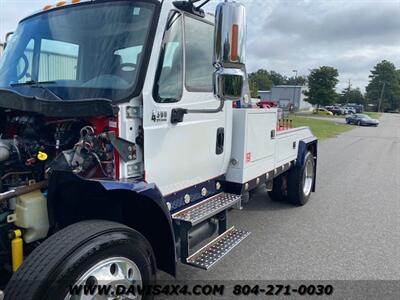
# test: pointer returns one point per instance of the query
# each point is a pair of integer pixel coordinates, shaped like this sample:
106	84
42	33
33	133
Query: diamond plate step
207	208
211	253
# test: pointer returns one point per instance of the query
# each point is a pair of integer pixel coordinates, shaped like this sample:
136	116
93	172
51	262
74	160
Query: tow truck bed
257	147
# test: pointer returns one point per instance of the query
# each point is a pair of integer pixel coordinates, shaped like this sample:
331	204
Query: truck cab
121	151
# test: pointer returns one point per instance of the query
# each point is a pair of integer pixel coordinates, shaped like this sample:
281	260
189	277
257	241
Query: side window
199	38
169	80
129	60
130	56
58	61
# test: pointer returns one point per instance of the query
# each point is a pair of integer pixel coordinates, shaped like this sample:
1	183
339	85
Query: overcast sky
286	35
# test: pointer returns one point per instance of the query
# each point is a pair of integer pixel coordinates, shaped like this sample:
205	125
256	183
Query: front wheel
88	253
301	181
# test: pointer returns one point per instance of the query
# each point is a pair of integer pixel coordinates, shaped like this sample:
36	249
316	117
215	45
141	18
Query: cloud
12	11
349	35
284	35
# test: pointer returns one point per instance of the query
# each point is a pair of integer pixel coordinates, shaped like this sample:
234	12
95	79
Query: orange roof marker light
235	42
61	3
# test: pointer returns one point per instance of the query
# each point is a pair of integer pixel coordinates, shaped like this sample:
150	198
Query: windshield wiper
32	82
38	84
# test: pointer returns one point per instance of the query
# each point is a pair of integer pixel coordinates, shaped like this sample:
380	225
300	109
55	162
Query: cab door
182	155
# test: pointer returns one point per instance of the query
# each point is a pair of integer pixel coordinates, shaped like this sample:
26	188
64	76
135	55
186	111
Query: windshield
80	52
363	116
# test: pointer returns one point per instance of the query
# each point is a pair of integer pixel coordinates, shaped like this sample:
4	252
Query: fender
305	145
136	204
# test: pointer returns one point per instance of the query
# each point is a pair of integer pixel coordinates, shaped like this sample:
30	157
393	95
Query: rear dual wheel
88	253
296	185
301	181
279	191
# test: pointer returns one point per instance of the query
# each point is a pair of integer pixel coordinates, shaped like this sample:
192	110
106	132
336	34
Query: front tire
84	253
301	181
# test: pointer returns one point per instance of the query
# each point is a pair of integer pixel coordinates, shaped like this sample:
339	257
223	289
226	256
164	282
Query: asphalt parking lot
350	229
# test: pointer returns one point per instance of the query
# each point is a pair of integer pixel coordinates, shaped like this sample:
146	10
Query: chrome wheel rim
114	272
308	177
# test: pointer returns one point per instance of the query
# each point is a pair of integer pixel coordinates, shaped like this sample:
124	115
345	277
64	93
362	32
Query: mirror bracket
7	39
188	6
178	114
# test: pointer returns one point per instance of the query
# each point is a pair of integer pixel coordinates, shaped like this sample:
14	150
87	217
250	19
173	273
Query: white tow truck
120	150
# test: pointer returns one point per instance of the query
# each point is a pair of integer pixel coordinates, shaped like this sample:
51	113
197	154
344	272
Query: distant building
287	95
264	95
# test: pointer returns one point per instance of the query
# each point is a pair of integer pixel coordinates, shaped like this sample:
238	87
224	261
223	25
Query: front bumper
370	123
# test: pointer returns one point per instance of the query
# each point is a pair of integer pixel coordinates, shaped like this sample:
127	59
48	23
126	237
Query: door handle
220	141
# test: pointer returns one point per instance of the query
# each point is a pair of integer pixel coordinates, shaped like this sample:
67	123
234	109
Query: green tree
350	95
299	80
263	80
321	86
259	81
277	78
383	89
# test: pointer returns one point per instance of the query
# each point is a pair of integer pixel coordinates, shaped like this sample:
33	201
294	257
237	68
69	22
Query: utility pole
381	98
294	89
348	92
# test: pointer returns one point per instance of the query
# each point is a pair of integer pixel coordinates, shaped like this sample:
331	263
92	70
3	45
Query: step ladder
213	207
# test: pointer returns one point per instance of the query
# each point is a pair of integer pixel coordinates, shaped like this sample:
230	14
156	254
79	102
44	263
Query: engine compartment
37	147
30	144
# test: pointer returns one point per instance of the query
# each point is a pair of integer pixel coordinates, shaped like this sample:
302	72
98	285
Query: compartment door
260	144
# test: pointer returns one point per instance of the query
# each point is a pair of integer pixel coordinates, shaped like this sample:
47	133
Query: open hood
57	108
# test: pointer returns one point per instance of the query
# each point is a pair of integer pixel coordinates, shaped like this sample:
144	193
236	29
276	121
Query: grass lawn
320	128
374	115
309	114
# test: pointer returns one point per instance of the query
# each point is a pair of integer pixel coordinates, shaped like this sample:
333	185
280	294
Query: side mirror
7	39
228	84
229	50
229	57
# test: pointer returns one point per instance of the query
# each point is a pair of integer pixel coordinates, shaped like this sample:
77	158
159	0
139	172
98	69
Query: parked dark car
361	120
335	110
359	108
